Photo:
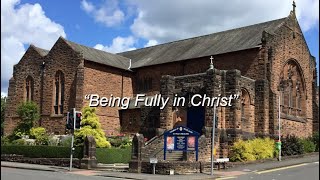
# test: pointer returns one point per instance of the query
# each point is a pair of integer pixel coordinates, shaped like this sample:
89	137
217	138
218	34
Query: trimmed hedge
41	151
113	155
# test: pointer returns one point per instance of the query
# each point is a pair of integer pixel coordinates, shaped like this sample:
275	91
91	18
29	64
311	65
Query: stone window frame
29	89
58	93
245	103
292	91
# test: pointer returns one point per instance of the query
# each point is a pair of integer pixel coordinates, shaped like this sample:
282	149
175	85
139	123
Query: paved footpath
222	174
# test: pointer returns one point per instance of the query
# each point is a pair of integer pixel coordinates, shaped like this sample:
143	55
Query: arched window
247	120
29	89
245	103
292	91
58	93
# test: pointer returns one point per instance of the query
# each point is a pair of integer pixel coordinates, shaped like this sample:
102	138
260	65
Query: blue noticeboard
181	139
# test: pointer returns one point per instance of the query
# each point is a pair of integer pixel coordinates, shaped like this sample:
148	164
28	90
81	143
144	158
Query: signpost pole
213	132
72	137
279	129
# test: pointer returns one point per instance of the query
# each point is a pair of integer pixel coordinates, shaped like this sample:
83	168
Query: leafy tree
28	113
90	125
3	108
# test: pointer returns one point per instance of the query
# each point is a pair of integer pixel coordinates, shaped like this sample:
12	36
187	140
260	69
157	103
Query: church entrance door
195	118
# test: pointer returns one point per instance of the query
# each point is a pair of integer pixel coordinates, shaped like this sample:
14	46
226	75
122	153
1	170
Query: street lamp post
279	131
281	88
213	132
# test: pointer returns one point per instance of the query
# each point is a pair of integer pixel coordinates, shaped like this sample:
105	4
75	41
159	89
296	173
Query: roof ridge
38	50
242	27
68	41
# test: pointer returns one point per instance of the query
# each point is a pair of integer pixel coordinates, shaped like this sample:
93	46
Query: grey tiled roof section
101	57
41	51
212	44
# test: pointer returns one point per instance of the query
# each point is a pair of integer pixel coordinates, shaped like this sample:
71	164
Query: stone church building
261	62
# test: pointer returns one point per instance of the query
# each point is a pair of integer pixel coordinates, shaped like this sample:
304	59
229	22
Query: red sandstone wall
61	57
290	44
104	81
246	61
29	65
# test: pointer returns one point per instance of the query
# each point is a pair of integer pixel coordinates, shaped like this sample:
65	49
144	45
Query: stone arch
247	119
58	92
29	88
292	89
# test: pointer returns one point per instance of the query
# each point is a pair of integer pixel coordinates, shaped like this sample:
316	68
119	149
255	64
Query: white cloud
168	20
119	44
107	13
23	24
87	6
308	13
151	42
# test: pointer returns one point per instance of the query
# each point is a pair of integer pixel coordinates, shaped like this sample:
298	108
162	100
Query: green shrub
251	150
263	148
90	125
315	139
41	151
5	140
113	155
120	141
53	141
308	145
242	151
66	142
28	113
291	145
18	142
40	135
3	108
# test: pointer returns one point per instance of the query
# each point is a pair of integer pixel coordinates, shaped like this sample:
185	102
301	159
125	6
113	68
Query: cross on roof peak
211	63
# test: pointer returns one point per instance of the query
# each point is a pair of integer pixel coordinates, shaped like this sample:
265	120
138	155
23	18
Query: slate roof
41	51
212	44
101	57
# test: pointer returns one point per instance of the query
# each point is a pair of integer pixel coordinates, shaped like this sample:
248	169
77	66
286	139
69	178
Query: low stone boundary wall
164	167
63	162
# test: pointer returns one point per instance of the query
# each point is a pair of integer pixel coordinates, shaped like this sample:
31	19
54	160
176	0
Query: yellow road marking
228	177
277	169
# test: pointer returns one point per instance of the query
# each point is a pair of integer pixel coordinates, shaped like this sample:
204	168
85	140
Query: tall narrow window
293	98
58	93
245	102
29	89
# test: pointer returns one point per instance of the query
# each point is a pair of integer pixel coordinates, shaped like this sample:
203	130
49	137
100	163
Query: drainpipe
41	91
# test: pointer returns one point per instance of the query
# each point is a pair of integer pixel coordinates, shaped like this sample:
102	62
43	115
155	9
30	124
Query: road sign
153	160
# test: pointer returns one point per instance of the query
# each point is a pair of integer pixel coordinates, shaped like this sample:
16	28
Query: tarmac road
26	174
304	171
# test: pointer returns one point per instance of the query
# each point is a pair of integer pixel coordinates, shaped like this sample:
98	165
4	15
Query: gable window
292	91
58	93
29	89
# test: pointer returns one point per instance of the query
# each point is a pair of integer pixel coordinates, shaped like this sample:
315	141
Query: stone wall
286	44
107	82
246	61
63	162
29	65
